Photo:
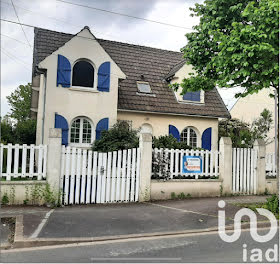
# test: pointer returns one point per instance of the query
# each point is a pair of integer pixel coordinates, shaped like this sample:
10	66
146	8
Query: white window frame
95	80
81	144
188	136
180	99
147	83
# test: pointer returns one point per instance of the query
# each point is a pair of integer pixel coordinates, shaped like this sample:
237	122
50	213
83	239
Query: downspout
44	101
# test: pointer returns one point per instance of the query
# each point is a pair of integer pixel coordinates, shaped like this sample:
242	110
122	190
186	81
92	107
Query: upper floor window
192	96
83	74
81	131
189	136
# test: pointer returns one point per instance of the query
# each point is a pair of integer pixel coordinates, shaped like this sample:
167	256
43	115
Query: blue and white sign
192	164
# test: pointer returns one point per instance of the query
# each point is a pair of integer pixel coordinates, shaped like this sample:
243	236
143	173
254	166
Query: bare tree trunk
278	140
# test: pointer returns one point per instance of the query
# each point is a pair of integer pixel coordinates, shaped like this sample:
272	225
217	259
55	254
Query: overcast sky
16	54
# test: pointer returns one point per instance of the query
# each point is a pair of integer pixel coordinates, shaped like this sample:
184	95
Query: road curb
21	242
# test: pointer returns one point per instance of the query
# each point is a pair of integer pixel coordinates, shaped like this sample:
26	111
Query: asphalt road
198	248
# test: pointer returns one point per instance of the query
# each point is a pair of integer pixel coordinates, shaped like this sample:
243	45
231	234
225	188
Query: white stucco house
250	107
84	85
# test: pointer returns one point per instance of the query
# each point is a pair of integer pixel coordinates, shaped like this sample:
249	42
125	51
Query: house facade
84	85
249	109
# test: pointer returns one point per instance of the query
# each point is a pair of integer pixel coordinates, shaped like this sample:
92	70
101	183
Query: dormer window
192	96
83	74
144	87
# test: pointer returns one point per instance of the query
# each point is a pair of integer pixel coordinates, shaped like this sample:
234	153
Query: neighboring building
84	85
250	107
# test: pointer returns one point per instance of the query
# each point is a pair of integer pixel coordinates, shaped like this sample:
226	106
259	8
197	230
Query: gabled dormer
83	64
78	89
176	75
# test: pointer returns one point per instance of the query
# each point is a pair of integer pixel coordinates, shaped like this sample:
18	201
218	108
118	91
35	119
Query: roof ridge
45	29
119	42
141	46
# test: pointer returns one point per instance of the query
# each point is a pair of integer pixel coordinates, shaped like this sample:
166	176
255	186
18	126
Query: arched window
189	136
81	131
83	74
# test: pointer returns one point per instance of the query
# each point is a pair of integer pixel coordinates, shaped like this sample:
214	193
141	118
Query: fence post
145	145
259	145
54	159
225	164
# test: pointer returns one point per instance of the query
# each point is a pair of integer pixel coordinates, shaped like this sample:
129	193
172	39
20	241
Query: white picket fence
270	165
23	161
173	158
93	177
244	170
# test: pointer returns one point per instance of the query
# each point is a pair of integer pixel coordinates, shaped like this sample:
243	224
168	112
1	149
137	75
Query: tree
119	137
242	134
20	103
262	125
25	132
239	132
7	133
235	44
17	127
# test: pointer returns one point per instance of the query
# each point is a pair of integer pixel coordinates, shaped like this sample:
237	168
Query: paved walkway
125	219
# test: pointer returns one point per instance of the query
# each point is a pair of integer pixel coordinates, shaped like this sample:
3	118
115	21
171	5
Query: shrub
169	142
5	199
238	131
272	205
243	134
119	137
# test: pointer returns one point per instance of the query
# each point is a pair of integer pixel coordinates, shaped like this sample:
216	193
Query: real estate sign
192	164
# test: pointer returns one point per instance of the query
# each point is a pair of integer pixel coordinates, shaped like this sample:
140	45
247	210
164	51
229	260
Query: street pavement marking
41	225
134	259
182	210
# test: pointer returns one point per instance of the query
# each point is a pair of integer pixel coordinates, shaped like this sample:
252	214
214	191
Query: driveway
91	221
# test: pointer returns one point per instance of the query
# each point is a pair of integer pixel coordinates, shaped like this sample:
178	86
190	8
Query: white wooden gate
93	177
244	170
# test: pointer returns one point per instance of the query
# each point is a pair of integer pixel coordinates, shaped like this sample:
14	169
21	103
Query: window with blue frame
192	96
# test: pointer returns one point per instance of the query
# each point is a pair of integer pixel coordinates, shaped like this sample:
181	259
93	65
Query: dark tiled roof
176	68
134	61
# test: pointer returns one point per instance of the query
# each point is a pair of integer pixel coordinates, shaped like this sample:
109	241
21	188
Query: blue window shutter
63	71
103	124
192	96
60	122
104	77
174	132
207	138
